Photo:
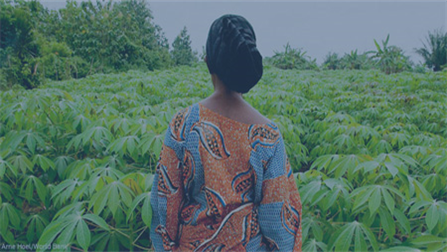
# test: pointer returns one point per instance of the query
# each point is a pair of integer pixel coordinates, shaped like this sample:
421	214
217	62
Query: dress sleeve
280	207
167	192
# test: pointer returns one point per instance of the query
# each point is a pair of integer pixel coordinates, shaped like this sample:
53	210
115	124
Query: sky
317	27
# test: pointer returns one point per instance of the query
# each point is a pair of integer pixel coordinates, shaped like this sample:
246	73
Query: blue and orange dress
223	185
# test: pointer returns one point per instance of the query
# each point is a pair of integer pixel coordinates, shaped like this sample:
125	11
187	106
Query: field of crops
369	152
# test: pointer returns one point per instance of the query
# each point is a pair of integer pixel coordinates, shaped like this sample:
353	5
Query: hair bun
232	53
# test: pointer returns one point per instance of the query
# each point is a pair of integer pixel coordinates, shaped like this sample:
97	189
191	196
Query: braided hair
232	54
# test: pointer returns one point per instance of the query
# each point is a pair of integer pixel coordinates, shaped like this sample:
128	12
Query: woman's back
229	183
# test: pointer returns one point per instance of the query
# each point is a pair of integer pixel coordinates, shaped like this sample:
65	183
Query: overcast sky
317	27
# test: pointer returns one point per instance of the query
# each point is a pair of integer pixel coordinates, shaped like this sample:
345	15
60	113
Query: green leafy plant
353	60
434	51
390	59
332	61
292	58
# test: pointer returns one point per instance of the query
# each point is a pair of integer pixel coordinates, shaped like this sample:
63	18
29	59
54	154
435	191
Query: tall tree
182	53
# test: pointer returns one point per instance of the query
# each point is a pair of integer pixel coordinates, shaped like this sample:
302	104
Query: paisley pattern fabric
223	185
212	139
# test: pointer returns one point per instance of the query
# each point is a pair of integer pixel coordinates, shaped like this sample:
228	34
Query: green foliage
419	68
332	61
182	53
107	36
390	59
112	35
202	54
292	58
350	61
435	51
353	60
18	49
368	151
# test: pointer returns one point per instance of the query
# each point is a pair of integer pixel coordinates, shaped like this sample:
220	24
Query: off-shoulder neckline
232	120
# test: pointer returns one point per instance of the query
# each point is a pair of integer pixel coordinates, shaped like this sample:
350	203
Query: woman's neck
221	92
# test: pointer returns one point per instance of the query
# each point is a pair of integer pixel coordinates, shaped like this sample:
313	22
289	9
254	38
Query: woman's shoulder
181	114
242	113
255	116
180	120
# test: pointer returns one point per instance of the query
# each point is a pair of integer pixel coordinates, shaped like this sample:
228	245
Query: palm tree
435	51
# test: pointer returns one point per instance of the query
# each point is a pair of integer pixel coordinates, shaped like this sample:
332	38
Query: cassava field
369	152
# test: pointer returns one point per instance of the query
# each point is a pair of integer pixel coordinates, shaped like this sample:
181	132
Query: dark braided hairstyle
232	54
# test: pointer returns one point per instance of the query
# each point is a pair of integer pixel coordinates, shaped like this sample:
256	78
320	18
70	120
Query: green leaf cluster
390	59
292	58
434	51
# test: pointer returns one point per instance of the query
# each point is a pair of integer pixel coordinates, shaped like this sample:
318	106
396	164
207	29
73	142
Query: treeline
387	58
83	39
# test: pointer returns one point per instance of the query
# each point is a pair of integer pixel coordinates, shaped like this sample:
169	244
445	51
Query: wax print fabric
223	185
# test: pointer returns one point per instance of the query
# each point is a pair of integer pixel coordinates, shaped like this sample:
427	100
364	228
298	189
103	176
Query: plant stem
131	235
73	247
139	235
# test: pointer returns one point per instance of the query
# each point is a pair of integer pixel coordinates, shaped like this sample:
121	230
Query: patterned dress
223	185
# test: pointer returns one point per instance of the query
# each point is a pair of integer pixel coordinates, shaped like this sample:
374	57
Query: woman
223	180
